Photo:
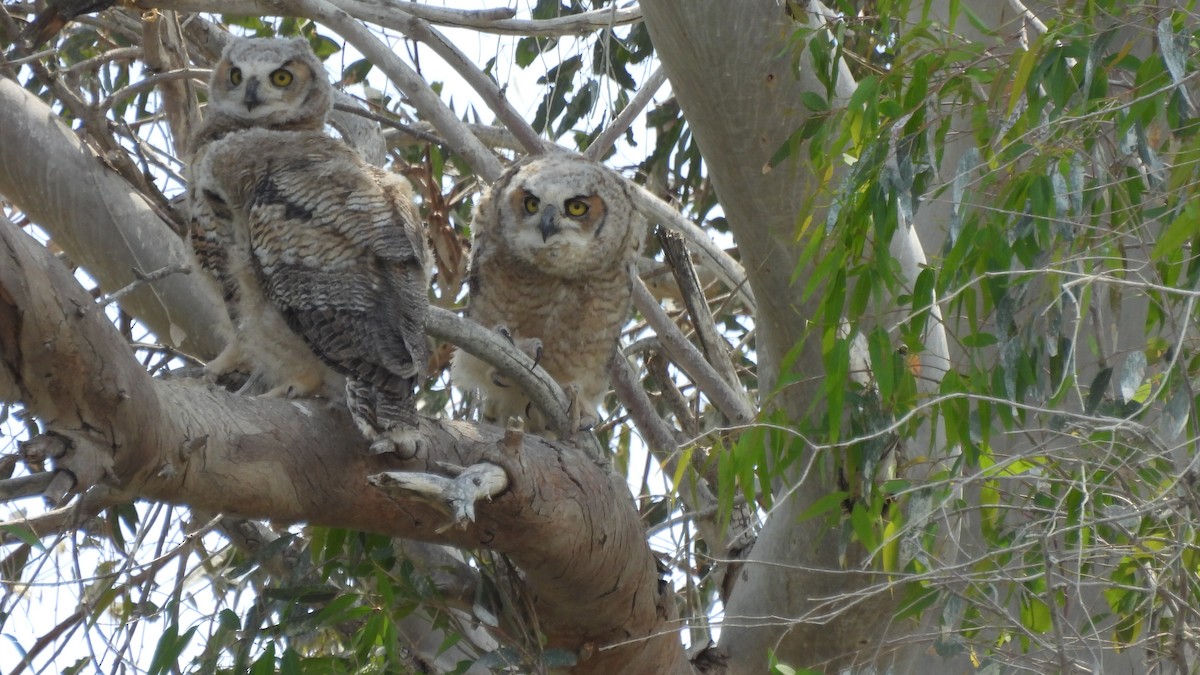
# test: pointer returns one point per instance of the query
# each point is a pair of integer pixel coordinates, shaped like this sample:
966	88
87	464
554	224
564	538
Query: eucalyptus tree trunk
733	72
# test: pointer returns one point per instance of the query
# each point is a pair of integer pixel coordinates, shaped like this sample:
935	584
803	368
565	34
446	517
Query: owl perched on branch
554	244
320	256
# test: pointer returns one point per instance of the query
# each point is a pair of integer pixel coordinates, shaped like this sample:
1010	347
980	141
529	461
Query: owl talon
506	334
536	346
404	442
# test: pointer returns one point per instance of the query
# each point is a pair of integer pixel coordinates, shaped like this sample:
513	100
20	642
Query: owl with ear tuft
320	256
554	243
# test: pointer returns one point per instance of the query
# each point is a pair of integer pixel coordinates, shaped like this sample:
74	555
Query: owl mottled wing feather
340	256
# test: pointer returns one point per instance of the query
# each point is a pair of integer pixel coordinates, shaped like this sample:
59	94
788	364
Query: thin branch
733	404
483	85
656	367
143	278
607	138
716	350
491	21
655	431
490	135
490	347
117	54
726	268
384	120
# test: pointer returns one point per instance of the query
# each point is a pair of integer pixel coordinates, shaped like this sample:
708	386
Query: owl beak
251	99
548	225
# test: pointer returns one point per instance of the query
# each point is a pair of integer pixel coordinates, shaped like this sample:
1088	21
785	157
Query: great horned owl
554	241
320	256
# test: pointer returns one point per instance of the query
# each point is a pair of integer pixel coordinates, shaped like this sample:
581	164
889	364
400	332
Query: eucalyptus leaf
1175	49
1096	391
1175	415
1132	374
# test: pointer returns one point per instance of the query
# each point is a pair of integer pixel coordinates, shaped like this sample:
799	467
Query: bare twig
384	120
143	278
152	82
657	433
488	21
483	85
656	366
716	350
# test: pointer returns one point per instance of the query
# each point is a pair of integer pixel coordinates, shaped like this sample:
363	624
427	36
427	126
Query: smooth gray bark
103	224
732	70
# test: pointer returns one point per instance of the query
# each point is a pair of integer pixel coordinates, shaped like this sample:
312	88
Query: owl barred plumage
320	256
554	240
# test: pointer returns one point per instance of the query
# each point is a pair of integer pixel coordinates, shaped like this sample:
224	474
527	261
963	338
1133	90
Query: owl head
563	215
271	82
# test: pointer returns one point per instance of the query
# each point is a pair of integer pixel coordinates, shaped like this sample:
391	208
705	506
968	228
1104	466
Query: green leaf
170	646
265	664
1181	230
1028	60
24	534
864	526
1096	391
814	101
824	505
1035	615
356	72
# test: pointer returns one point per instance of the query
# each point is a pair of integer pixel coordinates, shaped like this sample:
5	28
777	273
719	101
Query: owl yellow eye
235	76
532	204
281	78
576	207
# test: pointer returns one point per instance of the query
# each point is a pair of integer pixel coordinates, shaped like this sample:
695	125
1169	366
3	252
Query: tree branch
489	347
103	223
728	270
733	403
568	525
645	93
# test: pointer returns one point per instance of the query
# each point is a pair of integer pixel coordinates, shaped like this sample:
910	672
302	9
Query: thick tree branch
569	526
103	223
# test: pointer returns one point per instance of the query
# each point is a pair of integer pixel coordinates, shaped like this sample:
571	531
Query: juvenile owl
320	256
554	242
